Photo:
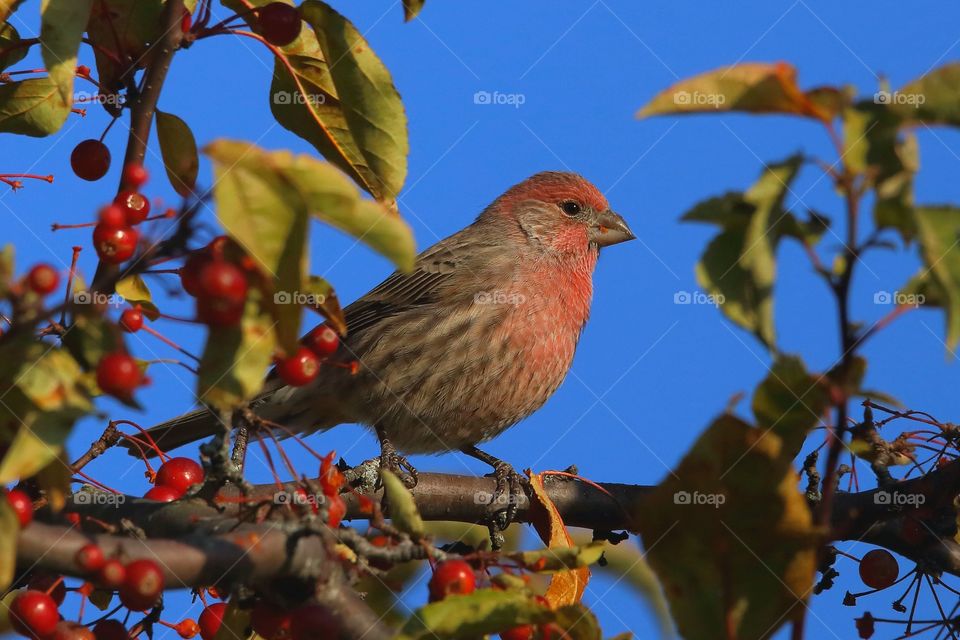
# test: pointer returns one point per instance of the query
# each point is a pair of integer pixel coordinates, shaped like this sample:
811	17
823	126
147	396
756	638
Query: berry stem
156	334
71	276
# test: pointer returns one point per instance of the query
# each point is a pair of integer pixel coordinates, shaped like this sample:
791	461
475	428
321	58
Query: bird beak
609	228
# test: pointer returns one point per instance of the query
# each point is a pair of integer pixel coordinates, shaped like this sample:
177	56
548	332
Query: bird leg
509	487
390	459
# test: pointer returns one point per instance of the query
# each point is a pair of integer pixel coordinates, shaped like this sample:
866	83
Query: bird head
560	212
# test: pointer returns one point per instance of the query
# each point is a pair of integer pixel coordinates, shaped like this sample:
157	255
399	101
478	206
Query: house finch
475	339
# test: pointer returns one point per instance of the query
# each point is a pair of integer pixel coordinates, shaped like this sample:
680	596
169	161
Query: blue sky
649	374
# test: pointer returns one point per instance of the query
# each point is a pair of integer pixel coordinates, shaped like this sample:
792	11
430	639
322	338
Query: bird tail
174	433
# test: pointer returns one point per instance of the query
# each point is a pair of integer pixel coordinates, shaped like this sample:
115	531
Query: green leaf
939	235
411	8
875	147
264	200
488	611
730	536
235	359
121	30
179	150
90	337
789	402
370	103
8	38
403	510
750	87
135	292
627	565
323	300
561	558
62	23
43	398
6	268
931	98
32	108
9	532
738	267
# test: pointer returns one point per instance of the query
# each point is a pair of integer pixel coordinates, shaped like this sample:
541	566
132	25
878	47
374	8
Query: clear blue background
649	374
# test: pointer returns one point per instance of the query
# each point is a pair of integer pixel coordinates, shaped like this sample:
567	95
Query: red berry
300	368
223	280
218	313
879	569
336	509
112	216
34	614
210	620
134	175
187	628
142	586
313	622
115	244
269	621
110	630
49	584
186	22
162	494
22	506
112	574
90	558
132	319
83	70
90	160
179	474
67	630
522	632
279	23
331	480
118	375
135	206
323	341
43	279
451	577
190	271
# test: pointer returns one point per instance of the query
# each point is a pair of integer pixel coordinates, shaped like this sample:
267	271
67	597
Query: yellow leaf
566	587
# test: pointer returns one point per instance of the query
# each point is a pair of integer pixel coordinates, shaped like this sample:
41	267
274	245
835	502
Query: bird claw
509	489
398	465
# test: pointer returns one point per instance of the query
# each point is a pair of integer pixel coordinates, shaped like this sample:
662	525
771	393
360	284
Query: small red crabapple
118	375
43	279
115	244
135	175
179	474
142	585
162	494
279	23
322	340
210	620
300	368
90	160
131	320
451	577
33	614
135	206
22	506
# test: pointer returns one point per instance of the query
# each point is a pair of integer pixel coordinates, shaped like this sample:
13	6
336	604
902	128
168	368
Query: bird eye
570	207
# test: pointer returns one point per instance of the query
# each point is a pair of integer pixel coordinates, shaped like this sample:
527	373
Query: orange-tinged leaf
566	587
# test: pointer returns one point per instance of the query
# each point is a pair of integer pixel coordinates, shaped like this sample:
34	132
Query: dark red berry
118	375
90	160
142	587
115	244
179	474
134	175
323	341
68	630
43	279
210	620
22	506
190	271
219	313
313	622
522	632
269	621
300	368
110	630
131	320
162	494
223	280
135	206
279	23
112	216
90	558
451	577
34	614
112	574
49	584
879	569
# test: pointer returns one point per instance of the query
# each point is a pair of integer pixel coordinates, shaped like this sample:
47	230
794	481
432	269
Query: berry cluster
115	237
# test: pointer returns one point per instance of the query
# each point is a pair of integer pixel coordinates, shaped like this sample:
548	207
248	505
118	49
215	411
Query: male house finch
475	339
